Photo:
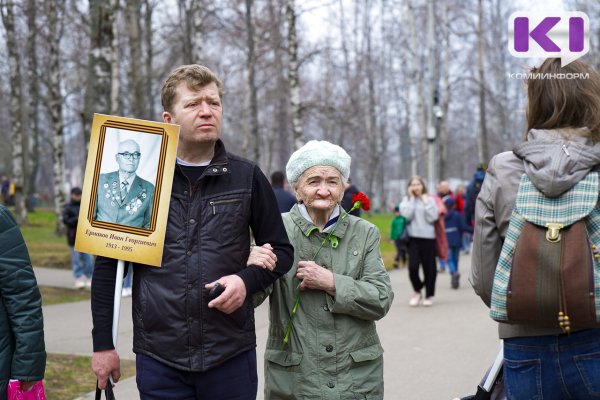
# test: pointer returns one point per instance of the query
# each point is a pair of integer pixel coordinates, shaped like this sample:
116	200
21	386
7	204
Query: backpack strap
592	223
498	309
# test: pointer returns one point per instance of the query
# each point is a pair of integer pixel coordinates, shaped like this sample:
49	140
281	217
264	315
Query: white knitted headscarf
317	152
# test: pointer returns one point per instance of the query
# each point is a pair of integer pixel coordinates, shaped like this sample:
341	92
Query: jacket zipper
215	203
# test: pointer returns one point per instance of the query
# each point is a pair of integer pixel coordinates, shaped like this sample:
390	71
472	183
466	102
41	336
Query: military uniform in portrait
135	209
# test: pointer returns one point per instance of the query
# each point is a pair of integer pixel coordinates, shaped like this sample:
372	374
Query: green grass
383	221
46	249
69	376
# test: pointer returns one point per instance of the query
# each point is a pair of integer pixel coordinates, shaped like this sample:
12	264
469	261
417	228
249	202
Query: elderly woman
333	349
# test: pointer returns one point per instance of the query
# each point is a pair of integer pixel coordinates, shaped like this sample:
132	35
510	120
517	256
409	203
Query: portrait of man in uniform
123	197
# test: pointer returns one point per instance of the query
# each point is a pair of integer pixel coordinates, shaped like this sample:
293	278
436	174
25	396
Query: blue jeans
553	367
129	276
81	263
453	255
442	264
235	379
467	239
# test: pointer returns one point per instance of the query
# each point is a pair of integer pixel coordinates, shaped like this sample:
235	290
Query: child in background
455	227
398	226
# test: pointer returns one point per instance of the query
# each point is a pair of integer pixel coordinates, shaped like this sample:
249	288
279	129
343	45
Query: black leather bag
108	392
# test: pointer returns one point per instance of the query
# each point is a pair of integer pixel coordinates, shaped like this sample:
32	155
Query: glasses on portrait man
129	155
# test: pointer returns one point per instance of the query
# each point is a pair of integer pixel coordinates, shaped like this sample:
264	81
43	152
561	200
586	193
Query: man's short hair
277	179
194	75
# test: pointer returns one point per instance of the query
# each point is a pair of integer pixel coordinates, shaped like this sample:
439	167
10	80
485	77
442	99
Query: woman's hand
263	257
313	276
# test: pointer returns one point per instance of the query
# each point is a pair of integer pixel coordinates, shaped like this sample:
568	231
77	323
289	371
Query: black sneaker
454	283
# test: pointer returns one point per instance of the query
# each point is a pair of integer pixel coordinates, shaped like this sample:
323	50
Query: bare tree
371	120
294	79
444	92
279	140
483	150
191	16
19	145
417	78
115	82
32	160
137	101
251	89
55	13
148	69
100	59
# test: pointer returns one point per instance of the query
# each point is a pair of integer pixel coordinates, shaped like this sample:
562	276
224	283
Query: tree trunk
191	17
148	91
483	148
136	77
445	95
371	121
296	110
198	13
251	90
280	143
115	81
99	70
417	78
16	105
34	95
55	13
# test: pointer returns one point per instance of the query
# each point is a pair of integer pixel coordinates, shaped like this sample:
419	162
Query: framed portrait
127	189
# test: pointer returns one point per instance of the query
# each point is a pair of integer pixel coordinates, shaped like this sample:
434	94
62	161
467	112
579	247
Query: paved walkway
431	353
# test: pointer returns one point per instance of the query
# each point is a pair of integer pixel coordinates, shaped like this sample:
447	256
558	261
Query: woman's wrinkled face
320	188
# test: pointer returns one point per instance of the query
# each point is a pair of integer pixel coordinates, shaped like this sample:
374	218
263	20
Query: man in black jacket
285	200
189	345
82	264
347	202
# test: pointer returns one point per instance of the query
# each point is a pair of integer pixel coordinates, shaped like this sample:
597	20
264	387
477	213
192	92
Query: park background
405	86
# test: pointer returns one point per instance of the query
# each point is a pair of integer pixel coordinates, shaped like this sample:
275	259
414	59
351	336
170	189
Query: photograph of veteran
333	350
122	196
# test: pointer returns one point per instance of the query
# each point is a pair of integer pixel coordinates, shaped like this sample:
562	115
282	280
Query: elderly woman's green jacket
22	354
333	351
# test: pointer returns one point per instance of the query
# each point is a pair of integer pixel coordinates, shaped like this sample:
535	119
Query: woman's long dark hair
567	97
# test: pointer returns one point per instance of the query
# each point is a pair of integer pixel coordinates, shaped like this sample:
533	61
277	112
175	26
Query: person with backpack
558	162
82	264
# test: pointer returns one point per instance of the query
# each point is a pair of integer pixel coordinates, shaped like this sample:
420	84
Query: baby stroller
492	384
